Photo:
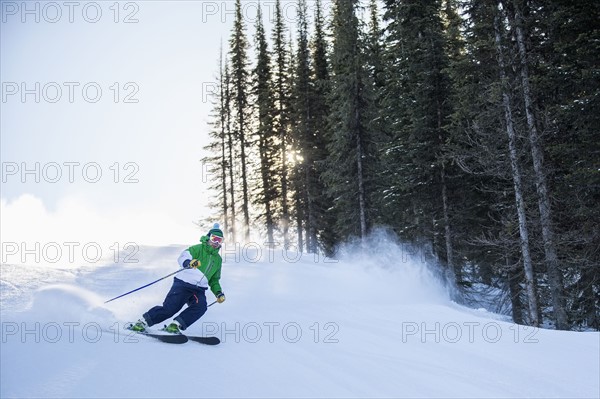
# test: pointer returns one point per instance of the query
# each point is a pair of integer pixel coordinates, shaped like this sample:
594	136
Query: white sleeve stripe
185	255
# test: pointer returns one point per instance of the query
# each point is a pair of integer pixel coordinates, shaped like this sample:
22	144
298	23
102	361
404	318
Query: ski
167	338
175	338
181	338
205	340
170	339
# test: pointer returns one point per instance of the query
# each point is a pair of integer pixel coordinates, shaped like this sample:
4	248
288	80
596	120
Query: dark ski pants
181	293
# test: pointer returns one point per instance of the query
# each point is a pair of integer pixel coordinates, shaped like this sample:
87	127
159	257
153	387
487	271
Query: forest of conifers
469	128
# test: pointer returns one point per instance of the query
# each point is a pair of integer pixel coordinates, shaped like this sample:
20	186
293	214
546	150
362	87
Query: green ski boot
172	328
140	326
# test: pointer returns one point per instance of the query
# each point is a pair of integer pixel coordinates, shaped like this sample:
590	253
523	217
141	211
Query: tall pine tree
350	166
324	220
240	95
417	111
281	84
268	189
301	129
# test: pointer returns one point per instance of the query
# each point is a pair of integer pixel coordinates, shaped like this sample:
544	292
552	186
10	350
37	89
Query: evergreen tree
267	190
350	166
216	162
282	117
417	110
562	44
301	97
324	220
223	115
230	150
553	270
240	87
517	176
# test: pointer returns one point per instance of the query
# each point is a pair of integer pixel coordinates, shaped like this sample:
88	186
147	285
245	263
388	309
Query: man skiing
201	265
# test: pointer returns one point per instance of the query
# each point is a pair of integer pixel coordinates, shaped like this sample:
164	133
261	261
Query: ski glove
191	264
220	297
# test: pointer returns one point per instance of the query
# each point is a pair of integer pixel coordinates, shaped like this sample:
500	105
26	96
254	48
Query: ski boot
172	328
139	326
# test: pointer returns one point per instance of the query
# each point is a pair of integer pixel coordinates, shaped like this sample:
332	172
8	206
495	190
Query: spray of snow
62	303
407	271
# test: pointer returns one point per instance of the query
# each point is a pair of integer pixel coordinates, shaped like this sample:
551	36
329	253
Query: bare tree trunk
311	228
263	150
516	174
245	201
591	314
285	217
455	269
223	121
299	206
514	288
555	278
311	239
231	226
300	232
361	184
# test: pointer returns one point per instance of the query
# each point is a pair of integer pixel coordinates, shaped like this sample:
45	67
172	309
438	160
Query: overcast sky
104	114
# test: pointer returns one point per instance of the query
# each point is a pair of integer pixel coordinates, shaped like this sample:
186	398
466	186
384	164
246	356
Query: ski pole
137	289
211	304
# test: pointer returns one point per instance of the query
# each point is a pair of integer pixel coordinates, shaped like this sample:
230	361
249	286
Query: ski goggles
216	240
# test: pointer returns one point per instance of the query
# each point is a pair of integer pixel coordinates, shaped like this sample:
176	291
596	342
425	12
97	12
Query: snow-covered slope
292	326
